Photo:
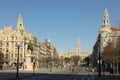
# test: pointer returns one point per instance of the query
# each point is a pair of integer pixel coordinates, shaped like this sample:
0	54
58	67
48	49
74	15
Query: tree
108	52
75	59
87	60
30	46
67	60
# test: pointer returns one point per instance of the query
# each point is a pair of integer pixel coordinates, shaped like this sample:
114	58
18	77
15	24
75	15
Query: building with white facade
9	40
107	35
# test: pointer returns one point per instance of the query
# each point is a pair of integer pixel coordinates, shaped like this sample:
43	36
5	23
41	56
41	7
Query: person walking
111	71
73	69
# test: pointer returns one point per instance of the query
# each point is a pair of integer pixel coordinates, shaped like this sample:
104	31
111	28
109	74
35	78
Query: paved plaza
80	73
46	74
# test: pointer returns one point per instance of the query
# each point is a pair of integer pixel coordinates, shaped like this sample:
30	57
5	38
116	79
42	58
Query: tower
106	27
106	22
78	47
19	22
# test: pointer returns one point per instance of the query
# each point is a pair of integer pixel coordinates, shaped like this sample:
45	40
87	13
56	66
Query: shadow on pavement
12	76
22	76
108	77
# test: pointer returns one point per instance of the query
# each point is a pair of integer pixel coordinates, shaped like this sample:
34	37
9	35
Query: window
20	24
7	44
31	59
20	55
0	44
12	55
15	54
12	38
7	50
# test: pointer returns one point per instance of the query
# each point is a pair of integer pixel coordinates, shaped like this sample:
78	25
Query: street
60	77
80	73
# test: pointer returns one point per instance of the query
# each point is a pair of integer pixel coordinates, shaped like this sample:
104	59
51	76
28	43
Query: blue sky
61	21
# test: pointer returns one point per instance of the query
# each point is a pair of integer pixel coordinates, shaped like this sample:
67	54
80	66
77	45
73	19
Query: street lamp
46	61
33	66
99	75
17	74
99	58
50	63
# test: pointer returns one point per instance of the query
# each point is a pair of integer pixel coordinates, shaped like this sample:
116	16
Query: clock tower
78	47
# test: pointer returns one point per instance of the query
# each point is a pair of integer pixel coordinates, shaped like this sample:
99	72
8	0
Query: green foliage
87	60
67	60
30	46
75	59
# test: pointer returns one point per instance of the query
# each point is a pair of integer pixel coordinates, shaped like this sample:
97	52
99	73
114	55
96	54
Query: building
10	38
78	52
107	34
49	52
31	50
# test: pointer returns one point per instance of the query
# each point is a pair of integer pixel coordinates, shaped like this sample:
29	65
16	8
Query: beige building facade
107	34
9	40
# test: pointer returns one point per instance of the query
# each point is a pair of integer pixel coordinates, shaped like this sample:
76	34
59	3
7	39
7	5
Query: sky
61	21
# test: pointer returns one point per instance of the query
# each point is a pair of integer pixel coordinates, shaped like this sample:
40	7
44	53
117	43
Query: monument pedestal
28	63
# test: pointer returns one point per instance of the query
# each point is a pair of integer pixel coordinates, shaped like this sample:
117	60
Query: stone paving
9	74
65	74
56	74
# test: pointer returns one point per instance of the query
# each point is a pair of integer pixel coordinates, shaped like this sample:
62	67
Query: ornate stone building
107	34
9	40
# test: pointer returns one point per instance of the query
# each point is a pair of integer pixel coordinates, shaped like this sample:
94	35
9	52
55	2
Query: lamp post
99	75
50	66
50	63
17	74
46	60
99	58
33	66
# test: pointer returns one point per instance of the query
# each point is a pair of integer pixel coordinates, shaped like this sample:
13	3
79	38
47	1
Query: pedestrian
73	69
111	71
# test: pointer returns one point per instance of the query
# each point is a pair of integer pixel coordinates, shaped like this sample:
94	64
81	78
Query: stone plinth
28	63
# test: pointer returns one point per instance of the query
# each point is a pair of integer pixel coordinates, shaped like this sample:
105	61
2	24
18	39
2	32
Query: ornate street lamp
17	74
